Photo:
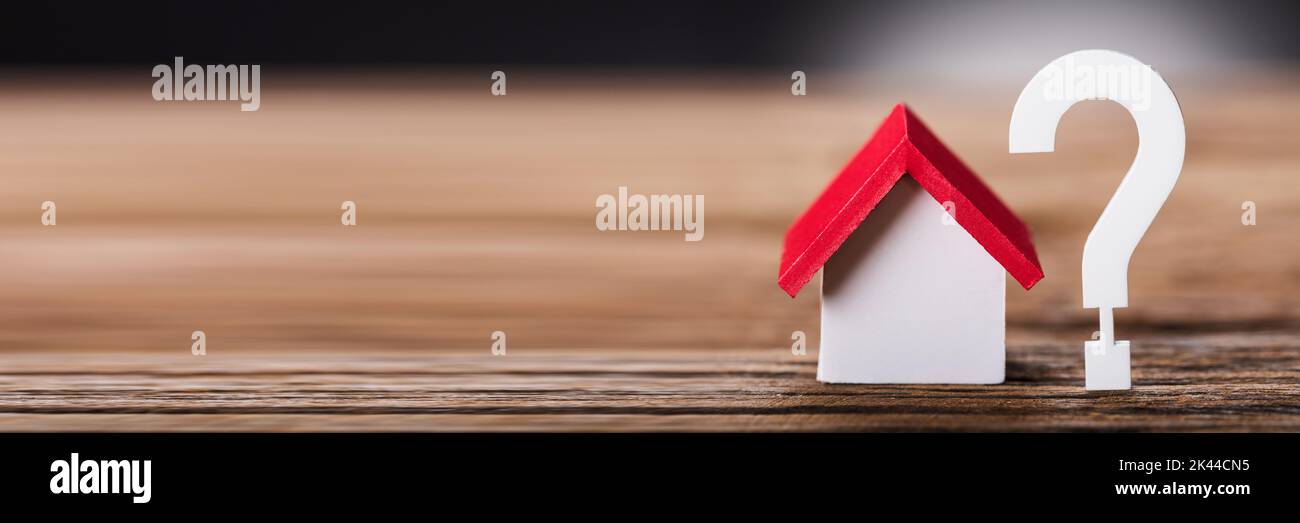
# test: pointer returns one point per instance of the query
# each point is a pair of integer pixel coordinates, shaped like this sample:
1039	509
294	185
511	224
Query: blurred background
476	212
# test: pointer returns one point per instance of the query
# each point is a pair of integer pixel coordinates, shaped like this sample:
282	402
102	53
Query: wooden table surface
476	215
1181	387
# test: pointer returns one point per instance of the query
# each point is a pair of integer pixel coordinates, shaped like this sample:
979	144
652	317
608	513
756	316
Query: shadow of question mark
1108	75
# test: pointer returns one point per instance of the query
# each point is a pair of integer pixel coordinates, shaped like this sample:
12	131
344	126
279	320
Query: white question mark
1108	75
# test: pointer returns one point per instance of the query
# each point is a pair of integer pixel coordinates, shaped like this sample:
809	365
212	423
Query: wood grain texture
1186	383
476	214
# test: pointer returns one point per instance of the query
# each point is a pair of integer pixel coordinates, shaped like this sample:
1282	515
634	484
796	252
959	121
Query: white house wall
911	298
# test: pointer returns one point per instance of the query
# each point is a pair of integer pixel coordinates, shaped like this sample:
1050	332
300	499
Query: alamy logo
1072	81
657	212
101	477
209	82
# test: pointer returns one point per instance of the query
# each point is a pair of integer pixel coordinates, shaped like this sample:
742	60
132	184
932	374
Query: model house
914	250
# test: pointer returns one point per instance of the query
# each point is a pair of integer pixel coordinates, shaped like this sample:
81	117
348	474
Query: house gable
903	145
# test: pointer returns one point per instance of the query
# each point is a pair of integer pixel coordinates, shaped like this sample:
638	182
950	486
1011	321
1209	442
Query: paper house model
915	249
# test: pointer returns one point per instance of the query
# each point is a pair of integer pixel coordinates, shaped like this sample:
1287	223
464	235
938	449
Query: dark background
631	33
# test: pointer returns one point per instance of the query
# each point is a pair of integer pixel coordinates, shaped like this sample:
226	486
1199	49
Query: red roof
903	145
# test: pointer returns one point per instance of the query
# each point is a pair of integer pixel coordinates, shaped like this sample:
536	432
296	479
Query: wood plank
1182	385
